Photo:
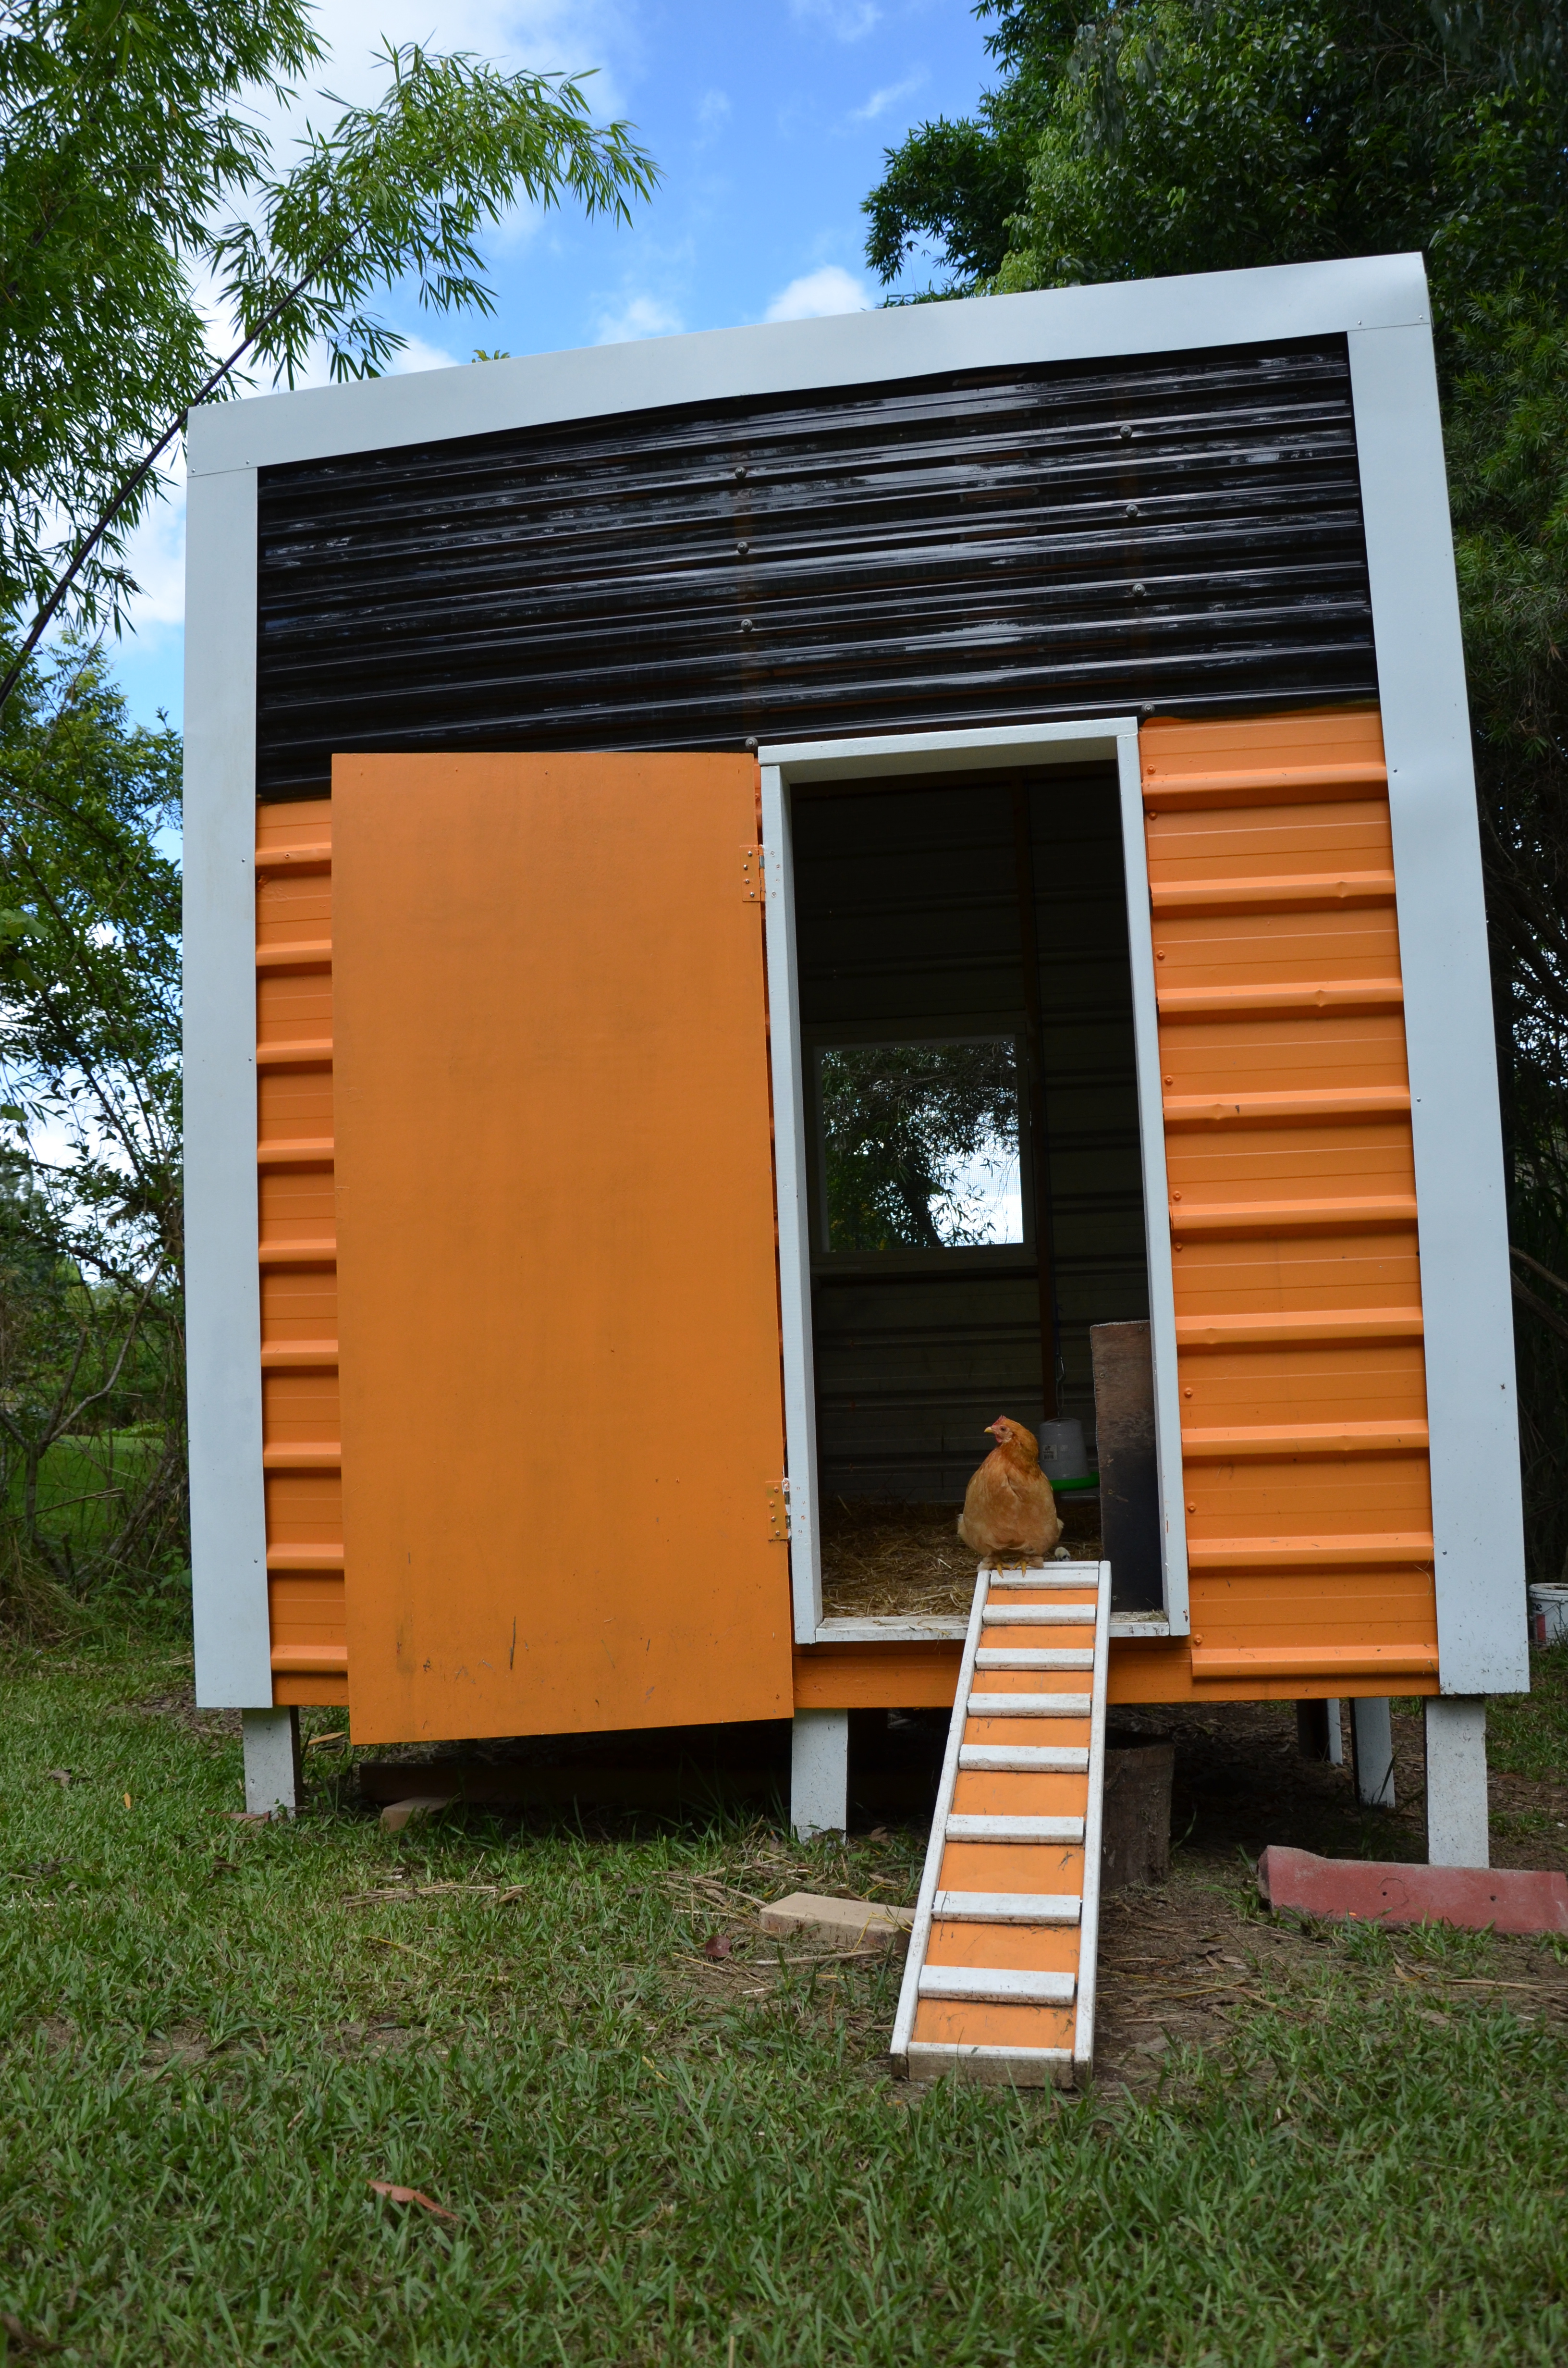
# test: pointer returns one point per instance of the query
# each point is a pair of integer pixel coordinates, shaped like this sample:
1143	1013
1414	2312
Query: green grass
76	1474
207	2053
1527	1735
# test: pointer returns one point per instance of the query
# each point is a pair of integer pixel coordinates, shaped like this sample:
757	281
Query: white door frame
1114	737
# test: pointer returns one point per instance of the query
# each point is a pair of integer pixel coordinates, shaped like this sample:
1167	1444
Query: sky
768	118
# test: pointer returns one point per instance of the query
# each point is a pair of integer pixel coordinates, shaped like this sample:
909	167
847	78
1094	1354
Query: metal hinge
779	1513
751	875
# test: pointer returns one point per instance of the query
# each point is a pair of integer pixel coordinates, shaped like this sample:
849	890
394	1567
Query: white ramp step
1029	1706
1007	1906
1015	1814
1035	1656
1047	1758
1015	1829
1080	1575
1039	1616
1006	1983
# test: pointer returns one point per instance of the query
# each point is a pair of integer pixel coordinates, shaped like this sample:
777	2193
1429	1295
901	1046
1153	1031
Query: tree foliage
907	1132
1161	136
138	186
139	195
92	1441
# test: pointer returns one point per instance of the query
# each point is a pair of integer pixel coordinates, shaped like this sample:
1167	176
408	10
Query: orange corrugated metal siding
300	1453
1292	1199
1293	1208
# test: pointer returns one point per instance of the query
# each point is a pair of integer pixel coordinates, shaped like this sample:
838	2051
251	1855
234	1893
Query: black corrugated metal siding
1182	533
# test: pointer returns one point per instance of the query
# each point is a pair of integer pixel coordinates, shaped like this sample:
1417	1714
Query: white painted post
1456	1781
273	1782
1336	1734
1371	1749
818	1772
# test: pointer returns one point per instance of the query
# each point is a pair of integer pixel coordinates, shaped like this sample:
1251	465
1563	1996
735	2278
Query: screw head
741	548
740	474
746	625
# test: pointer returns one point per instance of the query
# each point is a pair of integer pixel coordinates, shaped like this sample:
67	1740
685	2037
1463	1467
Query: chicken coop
750	899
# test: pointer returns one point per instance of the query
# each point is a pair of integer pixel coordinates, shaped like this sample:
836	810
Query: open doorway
973	1185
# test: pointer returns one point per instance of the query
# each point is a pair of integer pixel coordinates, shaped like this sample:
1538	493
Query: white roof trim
1056	324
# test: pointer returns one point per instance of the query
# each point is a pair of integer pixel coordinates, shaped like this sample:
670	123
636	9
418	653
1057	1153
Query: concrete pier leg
818	1772
1371	1746
273	1782
1457	1830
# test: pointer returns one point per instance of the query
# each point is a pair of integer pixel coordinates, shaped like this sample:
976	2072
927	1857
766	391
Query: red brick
1509	1899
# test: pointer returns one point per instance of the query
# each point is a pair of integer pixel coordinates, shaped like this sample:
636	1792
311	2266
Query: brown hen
1009	1511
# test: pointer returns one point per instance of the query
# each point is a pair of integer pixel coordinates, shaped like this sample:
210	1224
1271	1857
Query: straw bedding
880	1558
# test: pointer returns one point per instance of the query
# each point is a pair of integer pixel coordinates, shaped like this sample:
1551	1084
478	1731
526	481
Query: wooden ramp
1000	1978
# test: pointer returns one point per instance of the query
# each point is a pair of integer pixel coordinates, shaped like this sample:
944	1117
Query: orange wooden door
558	1322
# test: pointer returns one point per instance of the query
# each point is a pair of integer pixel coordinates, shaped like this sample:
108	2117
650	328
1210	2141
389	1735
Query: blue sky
769	118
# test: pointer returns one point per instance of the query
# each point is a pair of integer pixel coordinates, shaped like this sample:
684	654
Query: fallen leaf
377	1940
23	2337
61	1775
338	1735
247	1817
716	1946
128	1800
877	1834
409	2195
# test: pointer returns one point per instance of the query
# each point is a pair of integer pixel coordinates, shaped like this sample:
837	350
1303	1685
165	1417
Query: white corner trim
1057	325
1156	1190
794	1222
1465	1287
228	1515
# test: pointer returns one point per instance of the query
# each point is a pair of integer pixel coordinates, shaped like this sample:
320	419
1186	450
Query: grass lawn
1304	2146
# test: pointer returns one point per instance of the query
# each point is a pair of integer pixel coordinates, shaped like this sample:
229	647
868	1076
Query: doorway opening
973	1183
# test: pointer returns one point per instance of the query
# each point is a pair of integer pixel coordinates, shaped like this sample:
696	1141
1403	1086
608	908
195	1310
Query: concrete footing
818	1772
273	1782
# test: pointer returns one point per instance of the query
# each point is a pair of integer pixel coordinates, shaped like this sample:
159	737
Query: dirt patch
185	2042
1176	1964
178	1705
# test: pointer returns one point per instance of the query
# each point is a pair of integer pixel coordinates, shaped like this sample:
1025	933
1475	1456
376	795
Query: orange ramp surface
999	1982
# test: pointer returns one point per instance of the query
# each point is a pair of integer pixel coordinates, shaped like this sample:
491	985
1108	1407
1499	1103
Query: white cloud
712	107
817	293
547	35
156	555
846	21
882	99
639	317
419	355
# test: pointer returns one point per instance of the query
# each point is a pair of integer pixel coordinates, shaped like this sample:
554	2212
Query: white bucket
1061	1451
1548	1614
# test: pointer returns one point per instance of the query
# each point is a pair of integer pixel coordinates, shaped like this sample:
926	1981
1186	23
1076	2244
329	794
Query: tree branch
143	468
1547	1316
